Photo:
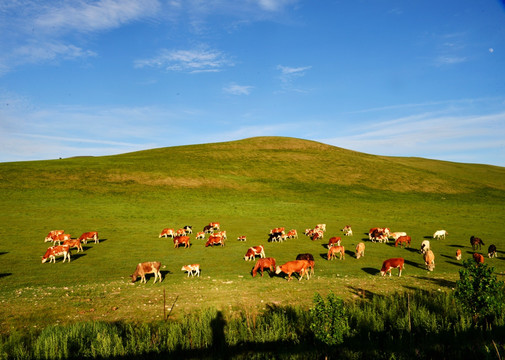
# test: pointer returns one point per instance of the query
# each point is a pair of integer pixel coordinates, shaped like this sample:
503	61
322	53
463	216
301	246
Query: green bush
329	319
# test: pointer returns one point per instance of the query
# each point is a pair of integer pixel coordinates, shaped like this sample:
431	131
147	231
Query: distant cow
475	241
479	259
334	250
253	251
192	268
200	235
390	264
360	250
188	229
167	233
215	225
214	240
150	267
440	234
90	235
52	233
74	243
491	251
57	239
310	259
208	229
242	238
347	230
292	234
334	241
425	246
181	240
54	251
458	254
262	264
403	241
295	266
429	260
397	234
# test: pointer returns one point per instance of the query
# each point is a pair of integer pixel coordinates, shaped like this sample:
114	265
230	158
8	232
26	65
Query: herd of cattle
303	265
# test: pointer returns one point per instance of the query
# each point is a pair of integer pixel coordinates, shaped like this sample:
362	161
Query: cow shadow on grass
164	273
5	275
412	249
3	252
416	265
438	281
362	293
456	246
77	256
371	271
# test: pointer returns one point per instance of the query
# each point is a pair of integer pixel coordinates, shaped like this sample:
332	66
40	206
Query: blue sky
388	77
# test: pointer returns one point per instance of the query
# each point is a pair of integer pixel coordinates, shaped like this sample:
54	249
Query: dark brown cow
295	266
310	259
54	251
262	264
475	241
150	267
390	264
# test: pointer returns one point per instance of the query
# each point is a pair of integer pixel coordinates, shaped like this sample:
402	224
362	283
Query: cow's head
383	272
134	277
278	270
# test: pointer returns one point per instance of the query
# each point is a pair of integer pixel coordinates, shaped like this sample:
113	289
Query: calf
334	250
54	251
403	241
479	259
263	263
242	238
360	250
150	267
253	251
90	235
334	241
181	240
295	266
425	246
458	254
429	260
391	264
74	243
475	241
167	233
191	268
491	251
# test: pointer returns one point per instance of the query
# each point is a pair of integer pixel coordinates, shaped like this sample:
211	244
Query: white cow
425	246
440	234
397	234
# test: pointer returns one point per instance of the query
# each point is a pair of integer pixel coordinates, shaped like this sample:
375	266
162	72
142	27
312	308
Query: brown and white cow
395	235
253	251
295	266
150	267
262	264
58	239
390	264
181	240
74	243
215	225
242	238
167	232
292	234
458	254
491	251
54	251
360	250
192	268
334	241
404	241
429	260
90	235
347	230
52	233
214	240
321	227
479	259
200	235
334	250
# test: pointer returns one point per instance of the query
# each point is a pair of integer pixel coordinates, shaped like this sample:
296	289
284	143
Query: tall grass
418	324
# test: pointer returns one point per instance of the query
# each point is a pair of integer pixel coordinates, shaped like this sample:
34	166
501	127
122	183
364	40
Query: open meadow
250	187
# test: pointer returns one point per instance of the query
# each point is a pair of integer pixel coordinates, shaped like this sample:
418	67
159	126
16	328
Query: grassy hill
249	186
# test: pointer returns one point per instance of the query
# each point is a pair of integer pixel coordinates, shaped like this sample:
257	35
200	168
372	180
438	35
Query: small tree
329	319
479	291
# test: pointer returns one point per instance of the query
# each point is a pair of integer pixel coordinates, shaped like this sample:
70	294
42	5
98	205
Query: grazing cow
181	240
52	233
347	230
90	235
334	250
222	234
425	246
295	266
475	241
397	234
188	229
214	240
391	264
491	251
458	254
253	251
262	264
191	268
292	234
321	227
440	234
242	238
57	239
378	234
54	251
334	241
74	243
150	267
180	232
403	241
310	259
317	234
200	235
479	259
277	230
208	229
429	260
167	233
360	250
215	225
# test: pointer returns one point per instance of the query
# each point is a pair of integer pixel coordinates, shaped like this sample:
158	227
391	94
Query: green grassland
249	186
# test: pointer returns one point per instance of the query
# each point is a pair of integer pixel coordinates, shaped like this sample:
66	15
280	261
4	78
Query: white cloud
236	89
193	61
449	60
273	5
